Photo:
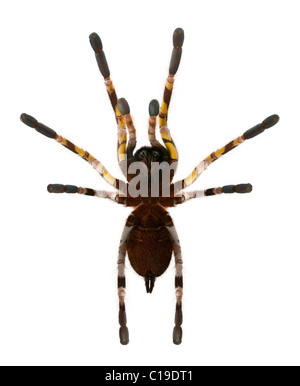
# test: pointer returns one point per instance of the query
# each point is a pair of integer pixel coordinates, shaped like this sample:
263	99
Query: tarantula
149	236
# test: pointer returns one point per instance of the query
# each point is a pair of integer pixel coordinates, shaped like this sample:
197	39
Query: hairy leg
199	169
97	165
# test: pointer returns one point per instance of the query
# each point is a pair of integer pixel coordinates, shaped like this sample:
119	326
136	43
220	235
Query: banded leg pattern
58	188
178	38
97	165
123	331
125	111
203	165
97	46
240	188
177	331
153	113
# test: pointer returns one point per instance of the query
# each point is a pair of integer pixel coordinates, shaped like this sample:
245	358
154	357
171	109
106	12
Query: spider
149	237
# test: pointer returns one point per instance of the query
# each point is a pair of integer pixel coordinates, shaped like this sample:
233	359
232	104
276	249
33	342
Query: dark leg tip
178	38
254	131
260	128
45	130
29	120
175	60
50	188
154	108
96	42
102	64
177	335
71	189
178	317
123	106
56	188
228	189
124	335
243	188
270	121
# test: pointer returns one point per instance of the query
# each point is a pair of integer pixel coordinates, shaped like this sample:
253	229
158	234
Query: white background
58	274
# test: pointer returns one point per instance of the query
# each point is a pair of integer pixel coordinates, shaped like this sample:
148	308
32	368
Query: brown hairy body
149	236
149	245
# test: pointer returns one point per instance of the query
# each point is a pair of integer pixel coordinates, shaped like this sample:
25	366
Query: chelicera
149	237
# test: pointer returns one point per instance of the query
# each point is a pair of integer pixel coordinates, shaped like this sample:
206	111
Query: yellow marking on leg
163	117
165	135
170	82
164	111
191	178
79	151
121	152
164	107
82	153
121	120
97	165
61	140
211	158
172	151
122	141
219	152
109	178
208	159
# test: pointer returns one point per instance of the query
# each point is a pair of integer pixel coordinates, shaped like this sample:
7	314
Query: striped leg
258	129
41	128
104	69
58	188
153	113
123	332
177	331
125	111
241	188
178	38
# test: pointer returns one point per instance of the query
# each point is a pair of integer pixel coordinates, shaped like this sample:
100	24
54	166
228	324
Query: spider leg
258	129
177	331
178	38
185	196
153	113
123	332
58	188
41	128
104	69
125	111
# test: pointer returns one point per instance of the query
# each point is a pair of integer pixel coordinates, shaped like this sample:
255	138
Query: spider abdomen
149	244
149	251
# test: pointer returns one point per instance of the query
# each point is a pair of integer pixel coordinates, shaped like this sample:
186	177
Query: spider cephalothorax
149	236
152	154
